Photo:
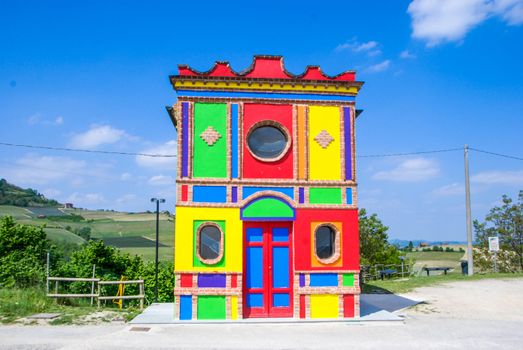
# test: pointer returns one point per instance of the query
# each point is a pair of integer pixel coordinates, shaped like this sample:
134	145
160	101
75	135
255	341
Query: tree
506	222
23	251
410	246
374	245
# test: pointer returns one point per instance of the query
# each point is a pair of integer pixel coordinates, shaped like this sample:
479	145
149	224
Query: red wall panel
348	305
350	249
254	168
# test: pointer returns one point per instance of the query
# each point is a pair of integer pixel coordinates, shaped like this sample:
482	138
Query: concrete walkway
373	307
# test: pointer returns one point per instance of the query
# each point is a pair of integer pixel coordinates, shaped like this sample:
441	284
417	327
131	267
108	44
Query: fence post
47	275
98	299
92	284
141	293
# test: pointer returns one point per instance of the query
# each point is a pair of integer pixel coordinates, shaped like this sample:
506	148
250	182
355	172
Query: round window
210	243
268	141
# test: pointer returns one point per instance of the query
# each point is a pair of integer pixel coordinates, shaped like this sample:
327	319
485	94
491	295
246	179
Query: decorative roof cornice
268	69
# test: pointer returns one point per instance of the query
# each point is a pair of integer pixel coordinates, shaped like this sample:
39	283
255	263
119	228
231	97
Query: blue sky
438	74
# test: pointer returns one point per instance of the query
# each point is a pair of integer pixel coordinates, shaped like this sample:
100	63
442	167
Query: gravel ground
483	314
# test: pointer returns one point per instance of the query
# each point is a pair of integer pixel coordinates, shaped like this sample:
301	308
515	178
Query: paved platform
373	307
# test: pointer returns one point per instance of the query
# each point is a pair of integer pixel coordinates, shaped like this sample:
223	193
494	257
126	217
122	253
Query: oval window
327	243
210	243
268	141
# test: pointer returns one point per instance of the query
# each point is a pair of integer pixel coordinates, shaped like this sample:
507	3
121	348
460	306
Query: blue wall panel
209	194
349	195
247	191
324	280
234	140
185	307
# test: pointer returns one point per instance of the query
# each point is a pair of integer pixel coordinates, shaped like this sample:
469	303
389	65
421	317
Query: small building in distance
266	209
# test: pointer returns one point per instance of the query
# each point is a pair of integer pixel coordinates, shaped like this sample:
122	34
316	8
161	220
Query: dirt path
494	299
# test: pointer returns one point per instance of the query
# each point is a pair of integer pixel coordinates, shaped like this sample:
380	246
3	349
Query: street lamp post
158	201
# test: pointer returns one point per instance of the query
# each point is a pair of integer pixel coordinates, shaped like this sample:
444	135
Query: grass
435	256
59	234
15	212
406	285
132	233
19	303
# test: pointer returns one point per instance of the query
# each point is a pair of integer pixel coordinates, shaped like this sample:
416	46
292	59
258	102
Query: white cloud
438	21
453	189
161	180
125	176
405	54
499	177
34	169
379	67
369	47
97	135
51	193
34	119
37	119
365	46
126	198
410	170
85	200
169	148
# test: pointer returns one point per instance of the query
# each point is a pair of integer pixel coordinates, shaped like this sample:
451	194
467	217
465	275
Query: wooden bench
444	269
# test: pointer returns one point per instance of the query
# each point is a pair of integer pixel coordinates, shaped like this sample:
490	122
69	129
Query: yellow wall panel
233	250
324	306
234	307
324	163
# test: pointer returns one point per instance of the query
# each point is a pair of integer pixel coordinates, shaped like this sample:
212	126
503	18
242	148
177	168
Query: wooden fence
140	296
94	295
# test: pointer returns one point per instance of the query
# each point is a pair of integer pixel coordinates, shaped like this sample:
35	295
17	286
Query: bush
507	261
23	251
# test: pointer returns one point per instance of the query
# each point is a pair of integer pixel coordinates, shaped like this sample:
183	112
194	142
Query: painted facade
266	210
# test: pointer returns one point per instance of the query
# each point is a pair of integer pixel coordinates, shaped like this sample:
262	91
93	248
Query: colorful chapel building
266	209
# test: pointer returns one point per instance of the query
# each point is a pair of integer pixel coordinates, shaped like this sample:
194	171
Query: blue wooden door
267	282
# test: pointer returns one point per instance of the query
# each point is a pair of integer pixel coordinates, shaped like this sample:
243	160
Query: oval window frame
337	244
198	242
276	125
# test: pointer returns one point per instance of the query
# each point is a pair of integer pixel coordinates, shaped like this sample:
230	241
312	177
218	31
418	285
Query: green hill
20	197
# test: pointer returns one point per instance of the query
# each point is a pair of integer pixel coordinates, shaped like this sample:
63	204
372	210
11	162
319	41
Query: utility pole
158	201
470	261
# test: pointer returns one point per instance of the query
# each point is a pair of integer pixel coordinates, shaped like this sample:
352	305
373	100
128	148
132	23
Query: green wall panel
196	261
348	279
325	195
211	307
210	161
268	207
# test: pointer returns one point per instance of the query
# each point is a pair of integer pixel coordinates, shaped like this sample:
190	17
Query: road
483	314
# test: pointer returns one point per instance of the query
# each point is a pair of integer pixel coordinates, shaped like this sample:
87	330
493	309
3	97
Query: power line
496	154
409	153
174	155
88	150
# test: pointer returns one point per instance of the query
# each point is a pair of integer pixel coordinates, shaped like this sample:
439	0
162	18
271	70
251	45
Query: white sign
493	244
